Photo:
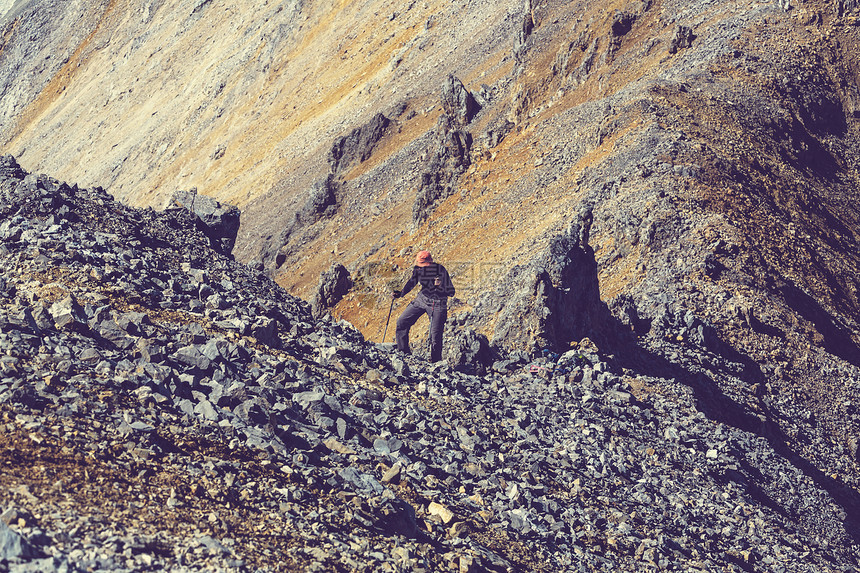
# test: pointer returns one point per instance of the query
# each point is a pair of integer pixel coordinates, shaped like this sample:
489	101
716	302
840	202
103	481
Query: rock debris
163	407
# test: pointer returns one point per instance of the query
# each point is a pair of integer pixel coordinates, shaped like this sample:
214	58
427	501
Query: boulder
13	546
265	330
112	332
192	357
333	285
67	313
220	222
468	351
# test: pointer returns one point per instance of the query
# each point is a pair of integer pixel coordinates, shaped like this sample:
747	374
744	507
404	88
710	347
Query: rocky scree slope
680	170
239	101
164	407
676	181
688	169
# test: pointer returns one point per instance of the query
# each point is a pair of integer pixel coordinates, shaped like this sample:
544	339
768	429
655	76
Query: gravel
144	428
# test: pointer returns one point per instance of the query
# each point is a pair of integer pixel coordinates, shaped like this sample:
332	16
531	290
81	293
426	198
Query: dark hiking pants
437	310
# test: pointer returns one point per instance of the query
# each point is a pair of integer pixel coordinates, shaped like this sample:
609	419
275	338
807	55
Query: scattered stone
442	512
13	546
596	455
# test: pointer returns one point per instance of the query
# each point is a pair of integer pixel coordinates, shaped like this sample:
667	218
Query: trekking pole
387	319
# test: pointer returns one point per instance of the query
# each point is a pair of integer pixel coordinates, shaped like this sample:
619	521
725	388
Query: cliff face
677	181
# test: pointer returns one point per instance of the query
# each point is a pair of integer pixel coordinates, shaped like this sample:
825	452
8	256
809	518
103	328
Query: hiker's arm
410	284
447	286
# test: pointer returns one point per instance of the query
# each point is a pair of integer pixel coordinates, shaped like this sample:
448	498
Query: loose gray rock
642	426
13	546
334	284
67	313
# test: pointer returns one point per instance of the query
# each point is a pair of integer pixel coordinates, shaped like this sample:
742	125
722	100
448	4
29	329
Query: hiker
436	287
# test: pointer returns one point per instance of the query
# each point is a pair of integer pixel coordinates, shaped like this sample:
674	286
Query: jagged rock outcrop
357	145
458	103
321	203
450	154
220	222
522	37
332	287
438	178
555	299
682	38
621	25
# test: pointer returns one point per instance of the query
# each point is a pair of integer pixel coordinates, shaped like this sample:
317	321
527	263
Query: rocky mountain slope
166	408
674	181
